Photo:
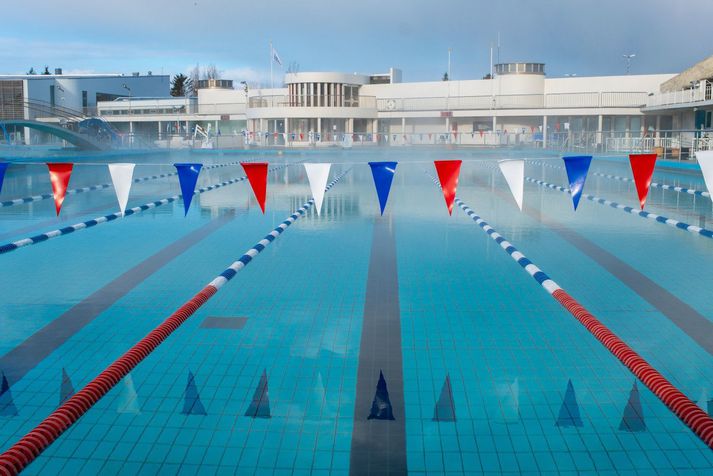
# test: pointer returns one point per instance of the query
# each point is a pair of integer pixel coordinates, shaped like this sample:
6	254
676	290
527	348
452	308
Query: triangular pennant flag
381	406
66	389
187	178
509	399
633	418
448	171
3	168
59	177
445	409
192	404
317	175
514	172
7	404
129	399
704	157
569	411
577	168
642	167
383	173
121	177
260	404
257	176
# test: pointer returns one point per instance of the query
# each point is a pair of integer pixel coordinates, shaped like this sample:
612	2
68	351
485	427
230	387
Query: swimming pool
277	373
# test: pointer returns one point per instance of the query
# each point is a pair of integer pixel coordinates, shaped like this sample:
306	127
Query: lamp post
628	61
131	124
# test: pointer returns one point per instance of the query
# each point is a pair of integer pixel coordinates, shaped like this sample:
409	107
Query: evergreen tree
181	85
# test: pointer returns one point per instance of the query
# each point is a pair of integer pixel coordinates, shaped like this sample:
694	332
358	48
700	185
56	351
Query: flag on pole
276	57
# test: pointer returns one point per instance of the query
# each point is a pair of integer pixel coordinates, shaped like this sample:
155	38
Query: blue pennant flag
187	177
577	168
383	173
3	168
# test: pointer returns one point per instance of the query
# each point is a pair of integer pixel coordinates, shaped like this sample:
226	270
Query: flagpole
272	83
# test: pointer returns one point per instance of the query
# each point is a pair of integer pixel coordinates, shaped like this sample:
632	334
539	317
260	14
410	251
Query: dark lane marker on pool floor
379	445
28	354
694	324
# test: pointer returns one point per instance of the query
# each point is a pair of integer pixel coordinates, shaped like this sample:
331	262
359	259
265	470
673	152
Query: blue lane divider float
687	411
643	214
232	270
663	186
28	448
46	196
8	247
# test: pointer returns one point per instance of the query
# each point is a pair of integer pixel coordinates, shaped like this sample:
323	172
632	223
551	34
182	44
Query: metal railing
312	101
703	91
515	101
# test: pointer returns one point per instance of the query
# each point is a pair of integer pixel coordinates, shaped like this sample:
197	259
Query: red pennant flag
448	171
257	176
642	166
274	135
481	133
455	135
302	136
59	176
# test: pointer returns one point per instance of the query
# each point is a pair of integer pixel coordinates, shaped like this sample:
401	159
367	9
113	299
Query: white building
519	106
57	96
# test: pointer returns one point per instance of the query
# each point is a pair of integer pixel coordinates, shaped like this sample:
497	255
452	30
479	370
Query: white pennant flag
514	172
122	176
317	174
705	160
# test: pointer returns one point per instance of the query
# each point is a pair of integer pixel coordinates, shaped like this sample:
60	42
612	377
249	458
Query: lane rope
29	447
32	240
687	411
664	186
697	230
46	196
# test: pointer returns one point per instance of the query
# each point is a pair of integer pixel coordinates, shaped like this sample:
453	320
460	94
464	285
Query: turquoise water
467	311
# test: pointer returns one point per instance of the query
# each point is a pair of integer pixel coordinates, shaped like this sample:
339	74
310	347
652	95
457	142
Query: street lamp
628	61
131	124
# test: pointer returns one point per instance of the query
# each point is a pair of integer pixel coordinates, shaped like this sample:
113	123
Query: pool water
277	373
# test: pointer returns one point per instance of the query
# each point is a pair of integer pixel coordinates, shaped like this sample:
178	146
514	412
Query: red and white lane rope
24	452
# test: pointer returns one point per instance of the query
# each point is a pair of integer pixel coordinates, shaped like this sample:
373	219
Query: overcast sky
583	37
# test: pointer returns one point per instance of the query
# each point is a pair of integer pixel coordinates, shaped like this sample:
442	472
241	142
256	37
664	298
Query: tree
445	76
194	76
211	72
47	70
32	70
181	85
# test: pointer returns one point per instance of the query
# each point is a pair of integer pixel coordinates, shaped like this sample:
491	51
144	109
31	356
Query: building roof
697	72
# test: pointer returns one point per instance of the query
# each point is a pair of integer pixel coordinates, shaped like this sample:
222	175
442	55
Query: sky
582	37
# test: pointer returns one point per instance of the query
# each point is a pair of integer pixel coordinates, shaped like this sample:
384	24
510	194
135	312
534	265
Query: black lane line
379	446
28	354
694	324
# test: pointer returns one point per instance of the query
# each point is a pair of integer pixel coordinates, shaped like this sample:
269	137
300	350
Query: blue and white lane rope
8	247
663	186
243	261
687	411
46	196
697	230
539	275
